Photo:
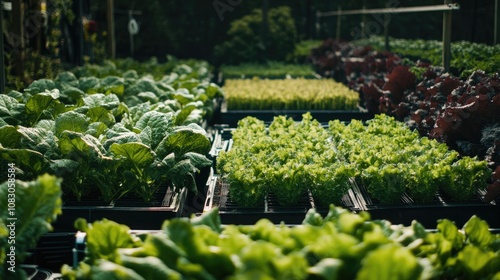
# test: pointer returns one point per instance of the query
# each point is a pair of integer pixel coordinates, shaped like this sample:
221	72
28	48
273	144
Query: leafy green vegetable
71	121
343	245
9	136
44	105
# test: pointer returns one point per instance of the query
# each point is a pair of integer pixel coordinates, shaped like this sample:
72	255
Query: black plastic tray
231	213
138	215
428	214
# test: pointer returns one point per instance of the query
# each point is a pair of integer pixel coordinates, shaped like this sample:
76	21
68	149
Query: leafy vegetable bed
289	94
112	136
341	245
390	159
287	159
395	167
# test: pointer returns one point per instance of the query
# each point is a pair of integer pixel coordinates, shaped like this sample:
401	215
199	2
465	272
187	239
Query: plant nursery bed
138	215
442	207
231	213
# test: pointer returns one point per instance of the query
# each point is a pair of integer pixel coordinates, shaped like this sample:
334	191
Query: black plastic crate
52	251
139	215
441	207
231	213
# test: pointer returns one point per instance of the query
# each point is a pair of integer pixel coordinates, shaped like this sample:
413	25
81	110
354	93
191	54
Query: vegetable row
114	136
464	113
271	70
291	158
189	68
289	94
342	245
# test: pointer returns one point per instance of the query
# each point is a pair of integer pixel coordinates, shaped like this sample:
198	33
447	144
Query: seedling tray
231	213
441	207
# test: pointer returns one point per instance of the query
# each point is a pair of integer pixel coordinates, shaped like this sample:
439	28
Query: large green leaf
183	96
110	101
41	101
198	160
81	145
159	123
148	96
327	269
71	94
28	161
138	111
86	84
191	138
10	109
111	81
41	140
62	167
71	121
183	114
379	264
213	91
475	259
19	96
146	136
137	153
120	134
67	78
143	85
105	237
101	114
106	270
477	232
96	129
182	175
9	136
37	205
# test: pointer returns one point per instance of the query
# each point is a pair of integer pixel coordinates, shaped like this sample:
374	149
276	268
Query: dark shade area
192	28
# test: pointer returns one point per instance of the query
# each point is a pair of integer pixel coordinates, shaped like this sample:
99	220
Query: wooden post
18	37
447	37
131	36
2	62
339	22
110	37
386	32
364	23
495	28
